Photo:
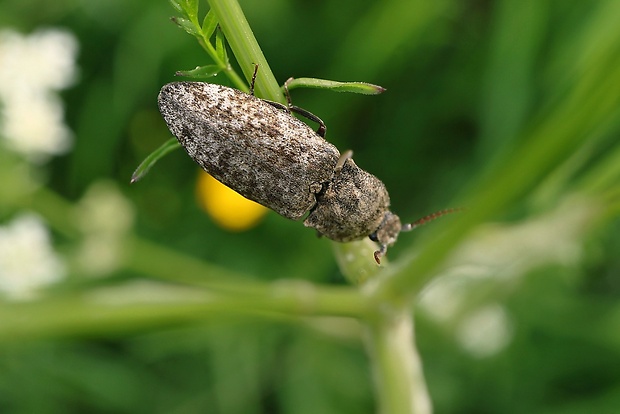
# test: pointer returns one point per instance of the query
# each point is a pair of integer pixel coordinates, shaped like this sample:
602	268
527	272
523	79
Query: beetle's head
386	234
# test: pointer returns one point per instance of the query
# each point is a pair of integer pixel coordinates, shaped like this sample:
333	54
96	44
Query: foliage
508	107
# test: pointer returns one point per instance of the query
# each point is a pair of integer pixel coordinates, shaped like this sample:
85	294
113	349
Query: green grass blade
153	157
207	71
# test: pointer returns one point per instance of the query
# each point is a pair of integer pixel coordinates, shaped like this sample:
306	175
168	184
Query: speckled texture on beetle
269	156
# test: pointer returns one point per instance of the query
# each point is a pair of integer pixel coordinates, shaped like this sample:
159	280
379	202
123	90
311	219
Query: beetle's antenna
421	221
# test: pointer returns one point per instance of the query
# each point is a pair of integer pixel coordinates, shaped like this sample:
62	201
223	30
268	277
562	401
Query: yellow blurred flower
228	209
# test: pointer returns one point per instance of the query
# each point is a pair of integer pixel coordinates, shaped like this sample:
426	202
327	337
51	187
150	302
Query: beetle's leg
302	112
343	158
277	105
253	81
289	107
306	114
379	253
287	93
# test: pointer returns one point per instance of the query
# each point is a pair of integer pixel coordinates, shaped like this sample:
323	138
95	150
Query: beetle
263	152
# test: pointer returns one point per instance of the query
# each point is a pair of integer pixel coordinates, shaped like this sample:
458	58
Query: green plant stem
356	261
396	364
305	297
127	308
245	48
224	66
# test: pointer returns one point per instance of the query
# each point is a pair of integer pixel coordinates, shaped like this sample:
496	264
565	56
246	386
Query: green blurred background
466	81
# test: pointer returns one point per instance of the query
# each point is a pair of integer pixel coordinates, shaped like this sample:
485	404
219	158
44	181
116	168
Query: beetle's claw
380	253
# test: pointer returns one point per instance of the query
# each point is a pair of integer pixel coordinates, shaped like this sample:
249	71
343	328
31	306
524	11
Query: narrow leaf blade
220	46
207	71
186	25
354	87
209	24
152	158
177	5
191	9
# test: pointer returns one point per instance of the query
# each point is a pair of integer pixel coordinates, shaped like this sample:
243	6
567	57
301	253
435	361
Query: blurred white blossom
104	216
485	331
35	126
32	71
45	60
27	260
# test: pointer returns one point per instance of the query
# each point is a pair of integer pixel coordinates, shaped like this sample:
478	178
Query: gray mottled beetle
260	150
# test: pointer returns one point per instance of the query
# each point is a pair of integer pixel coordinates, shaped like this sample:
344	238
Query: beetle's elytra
269	156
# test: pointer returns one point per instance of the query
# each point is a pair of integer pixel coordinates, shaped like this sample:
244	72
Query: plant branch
397	368
129	307
245	48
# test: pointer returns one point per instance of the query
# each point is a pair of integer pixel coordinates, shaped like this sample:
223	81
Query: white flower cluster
27	261
32	71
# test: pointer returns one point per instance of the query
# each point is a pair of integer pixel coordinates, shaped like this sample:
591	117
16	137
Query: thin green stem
165	264
224	66
125	309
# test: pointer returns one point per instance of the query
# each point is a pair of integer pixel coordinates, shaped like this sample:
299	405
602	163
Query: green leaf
206	71
209	24
355	87
191	9
153	157
177	5
220	46
186	25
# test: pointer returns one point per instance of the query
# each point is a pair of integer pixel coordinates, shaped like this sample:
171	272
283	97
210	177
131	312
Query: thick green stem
245	48
397	368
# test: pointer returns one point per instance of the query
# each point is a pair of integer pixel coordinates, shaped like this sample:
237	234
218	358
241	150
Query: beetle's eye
373	237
